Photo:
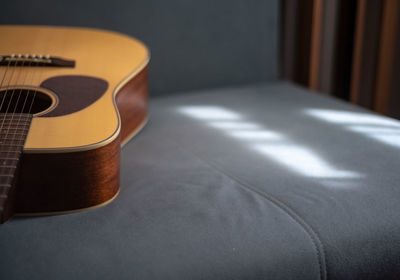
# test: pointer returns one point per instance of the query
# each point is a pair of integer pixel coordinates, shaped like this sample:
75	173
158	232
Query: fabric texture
262	182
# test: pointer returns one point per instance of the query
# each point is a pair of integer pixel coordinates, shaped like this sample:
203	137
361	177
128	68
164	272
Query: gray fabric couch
253	179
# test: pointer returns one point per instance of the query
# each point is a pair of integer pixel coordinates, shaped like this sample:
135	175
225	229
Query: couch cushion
268	181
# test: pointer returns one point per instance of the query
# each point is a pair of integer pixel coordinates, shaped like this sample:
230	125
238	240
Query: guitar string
18	71
37	75
2	82
19	92
38	64
36	89
5	92
6	151
35	64
16	136
11	139
27	67
51	43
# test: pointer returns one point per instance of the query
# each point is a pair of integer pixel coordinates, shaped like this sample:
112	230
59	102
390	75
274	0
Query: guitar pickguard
74	93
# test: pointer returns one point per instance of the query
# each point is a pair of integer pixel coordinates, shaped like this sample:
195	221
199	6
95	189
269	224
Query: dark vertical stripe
343	49
386	55
304	27
367	37
315	48
289	14
296	40
330	22
358	50
394	98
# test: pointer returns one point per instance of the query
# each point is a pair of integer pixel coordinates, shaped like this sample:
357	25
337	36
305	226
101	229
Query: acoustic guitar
69	98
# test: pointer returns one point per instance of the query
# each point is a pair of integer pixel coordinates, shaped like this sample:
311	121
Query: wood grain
386	55
366	42
58	182
132	103
315	51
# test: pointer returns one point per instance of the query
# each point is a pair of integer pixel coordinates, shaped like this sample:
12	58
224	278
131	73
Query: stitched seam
312	234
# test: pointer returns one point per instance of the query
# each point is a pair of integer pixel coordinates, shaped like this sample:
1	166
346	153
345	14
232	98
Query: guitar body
85	106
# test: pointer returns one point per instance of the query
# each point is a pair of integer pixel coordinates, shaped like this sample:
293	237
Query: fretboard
13	131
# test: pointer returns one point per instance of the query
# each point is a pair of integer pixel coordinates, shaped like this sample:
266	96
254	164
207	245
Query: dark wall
194	44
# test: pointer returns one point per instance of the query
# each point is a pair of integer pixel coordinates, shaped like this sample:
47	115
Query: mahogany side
52	182
132	103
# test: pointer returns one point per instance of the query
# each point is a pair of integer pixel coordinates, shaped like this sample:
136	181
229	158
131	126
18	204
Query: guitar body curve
70	158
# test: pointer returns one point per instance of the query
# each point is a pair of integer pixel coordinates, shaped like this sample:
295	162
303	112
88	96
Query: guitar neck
13	131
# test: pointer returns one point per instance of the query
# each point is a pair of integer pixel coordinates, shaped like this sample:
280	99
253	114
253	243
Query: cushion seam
312	234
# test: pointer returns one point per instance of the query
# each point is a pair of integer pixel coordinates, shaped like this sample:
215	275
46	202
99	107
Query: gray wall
194	44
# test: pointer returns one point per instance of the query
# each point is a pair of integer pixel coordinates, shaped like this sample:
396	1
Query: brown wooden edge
365	52
386	55
358	51
59	182
132	103
315	52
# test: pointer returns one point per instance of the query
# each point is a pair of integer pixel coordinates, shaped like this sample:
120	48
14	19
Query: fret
13	123
21	136
20	142
14	115
14	136
6	126
10	135
8	161
16	118
10	154
8	130
10	145
17	121
9	151
8	158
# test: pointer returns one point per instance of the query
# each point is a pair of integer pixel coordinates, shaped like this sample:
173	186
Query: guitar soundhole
21	100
